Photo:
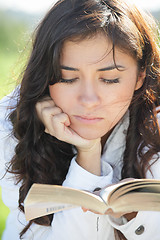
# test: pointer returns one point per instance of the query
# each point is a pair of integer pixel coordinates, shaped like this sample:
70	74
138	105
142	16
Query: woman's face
92	92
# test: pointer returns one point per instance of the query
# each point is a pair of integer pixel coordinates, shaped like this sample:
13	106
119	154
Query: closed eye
110	81
64	80
72	80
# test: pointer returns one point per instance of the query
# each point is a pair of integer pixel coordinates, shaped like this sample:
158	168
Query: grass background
4	211
14	37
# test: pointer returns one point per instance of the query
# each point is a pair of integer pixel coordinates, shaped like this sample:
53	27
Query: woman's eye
65	80
110	81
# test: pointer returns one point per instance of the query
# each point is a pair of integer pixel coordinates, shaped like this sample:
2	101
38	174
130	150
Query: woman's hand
109	211
57	124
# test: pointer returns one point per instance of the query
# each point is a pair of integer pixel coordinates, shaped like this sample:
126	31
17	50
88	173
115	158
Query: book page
51	198
35	211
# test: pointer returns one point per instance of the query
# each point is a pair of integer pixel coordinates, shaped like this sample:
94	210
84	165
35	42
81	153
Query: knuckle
45	112
55	119
57	110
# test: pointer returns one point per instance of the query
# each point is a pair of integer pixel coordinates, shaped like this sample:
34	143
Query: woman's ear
140	79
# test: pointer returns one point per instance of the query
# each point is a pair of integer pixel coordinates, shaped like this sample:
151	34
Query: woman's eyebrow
112	67
109	68
69	68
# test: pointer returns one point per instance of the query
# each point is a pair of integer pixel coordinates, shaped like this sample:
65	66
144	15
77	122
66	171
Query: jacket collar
115	145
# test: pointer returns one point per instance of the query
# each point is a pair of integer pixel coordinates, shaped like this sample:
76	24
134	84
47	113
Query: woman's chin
89	135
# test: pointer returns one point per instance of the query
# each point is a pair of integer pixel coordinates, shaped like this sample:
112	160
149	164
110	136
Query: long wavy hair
41	158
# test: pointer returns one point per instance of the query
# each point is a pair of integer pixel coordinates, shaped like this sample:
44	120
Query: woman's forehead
97	50
90	49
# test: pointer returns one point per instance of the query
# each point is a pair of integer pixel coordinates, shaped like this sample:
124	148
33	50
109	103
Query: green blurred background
15	42
15	35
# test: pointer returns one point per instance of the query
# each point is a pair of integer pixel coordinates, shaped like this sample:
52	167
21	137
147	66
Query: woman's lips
88	119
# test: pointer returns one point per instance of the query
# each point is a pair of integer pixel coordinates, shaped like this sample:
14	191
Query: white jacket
74	224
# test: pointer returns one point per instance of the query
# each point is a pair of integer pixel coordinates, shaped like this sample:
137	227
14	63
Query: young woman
85	116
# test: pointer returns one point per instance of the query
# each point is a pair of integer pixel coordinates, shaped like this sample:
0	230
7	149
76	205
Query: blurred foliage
10	33
14	47
15	43
4	212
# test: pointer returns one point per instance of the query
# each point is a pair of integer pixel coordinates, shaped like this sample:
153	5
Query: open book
133	195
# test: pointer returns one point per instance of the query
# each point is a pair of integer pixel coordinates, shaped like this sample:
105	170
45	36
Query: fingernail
84	209
109	211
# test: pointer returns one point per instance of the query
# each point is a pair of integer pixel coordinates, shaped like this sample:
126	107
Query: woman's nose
88	96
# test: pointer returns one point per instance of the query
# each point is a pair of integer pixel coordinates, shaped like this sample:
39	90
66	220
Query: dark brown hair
41	158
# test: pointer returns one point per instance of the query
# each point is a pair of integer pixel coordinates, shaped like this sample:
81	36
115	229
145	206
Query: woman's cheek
59	97
55	94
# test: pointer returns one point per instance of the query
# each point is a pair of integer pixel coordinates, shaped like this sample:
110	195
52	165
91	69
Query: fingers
86	210
43	106
54	120
58	127
109	211
47	114
57	124
46	110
